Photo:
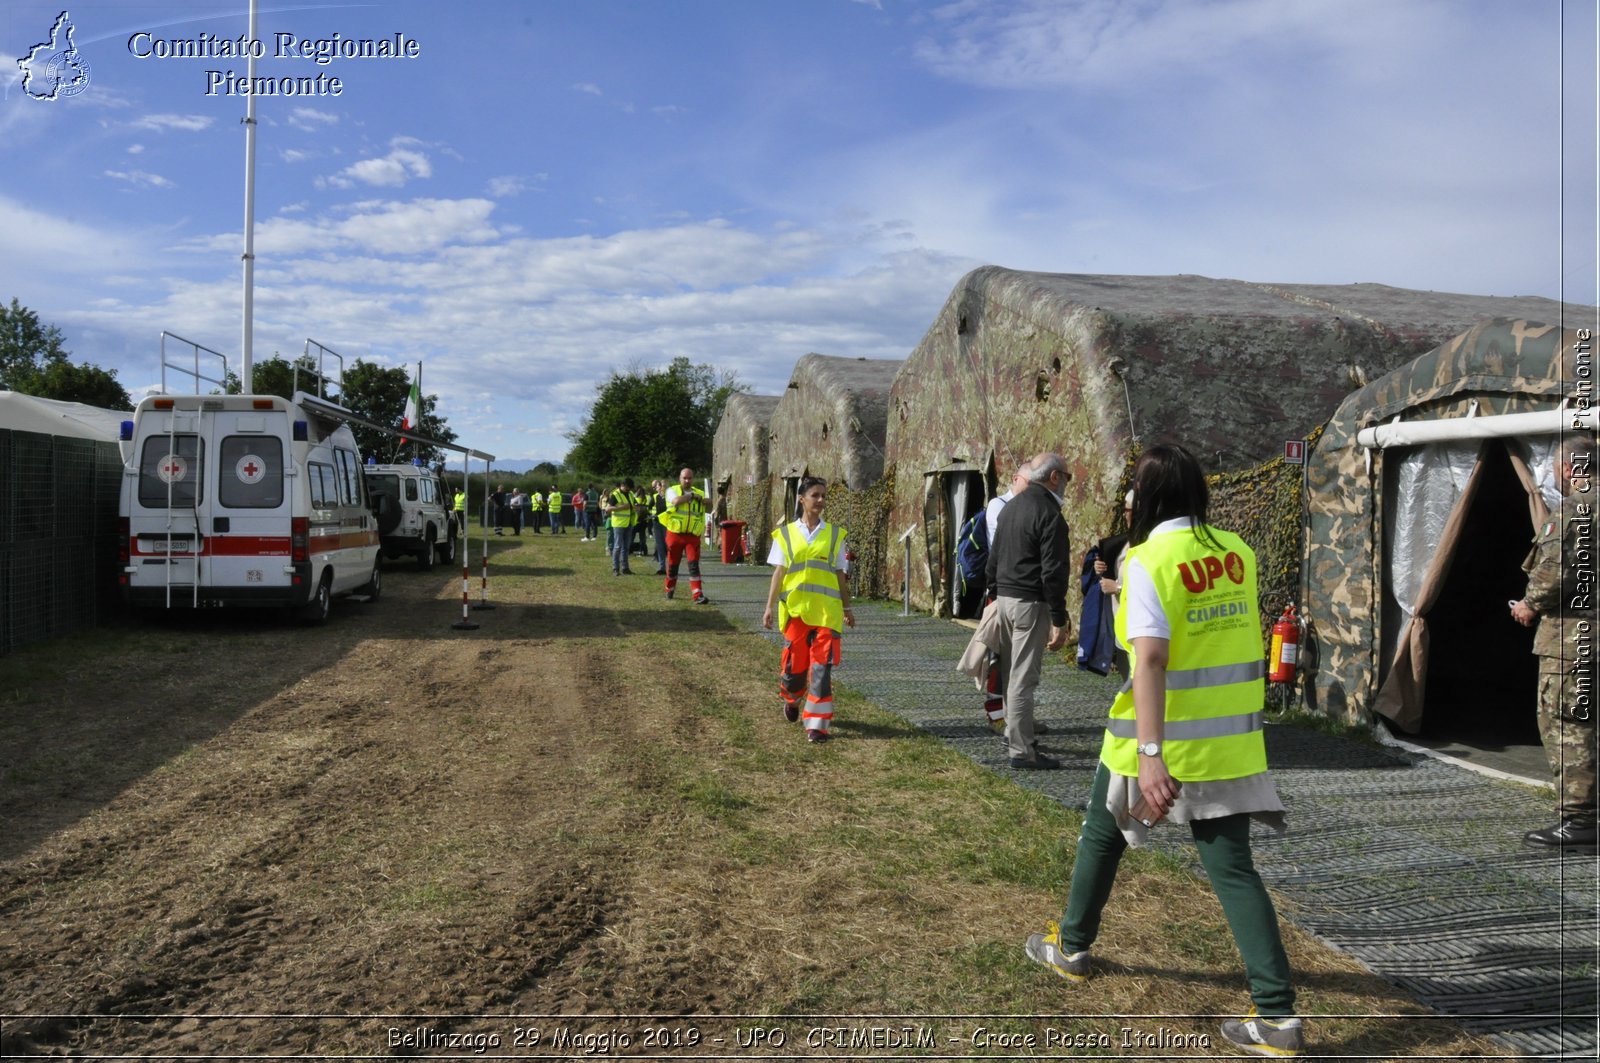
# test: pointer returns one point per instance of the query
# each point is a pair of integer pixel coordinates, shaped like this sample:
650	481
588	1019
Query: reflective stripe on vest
691	521
810	582
1215	668
622	508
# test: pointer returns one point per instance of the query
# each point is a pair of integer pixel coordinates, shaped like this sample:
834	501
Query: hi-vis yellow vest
690	521
536	502
1215	665
810	582
622	503
553	501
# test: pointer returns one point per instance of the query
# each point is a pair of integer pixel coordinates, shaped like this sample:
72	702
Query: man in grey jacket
1030	567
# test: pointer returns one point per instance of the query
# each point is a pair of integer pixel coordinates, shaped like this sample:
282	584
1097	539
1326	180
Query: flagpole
418	426
247	361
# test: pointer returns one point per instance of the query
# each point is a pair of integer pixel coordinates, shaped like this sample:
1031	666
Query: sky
535	194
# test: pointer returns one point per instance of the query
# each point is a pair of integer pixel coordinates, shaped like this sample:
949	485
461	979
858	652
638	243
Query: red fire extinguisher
1285	649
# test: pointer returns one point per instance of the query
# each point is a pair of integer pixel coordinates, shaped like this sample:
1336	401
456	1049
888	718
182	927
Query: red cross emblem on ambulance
172	469
250	469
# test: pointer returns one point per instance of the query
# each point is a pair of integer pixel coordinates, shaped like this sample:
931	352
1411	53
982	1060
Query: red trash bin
732	541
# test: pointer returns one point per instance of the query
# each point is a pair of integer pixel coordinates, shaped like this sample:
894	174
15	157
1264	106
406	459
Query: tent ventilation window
1041	387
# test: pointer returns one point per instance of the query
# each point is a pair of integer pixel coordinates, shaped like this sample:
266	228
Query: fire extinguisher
1285	650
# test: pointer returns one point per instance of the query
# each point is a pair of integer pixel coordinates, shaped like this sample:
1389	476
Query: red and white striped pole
465	623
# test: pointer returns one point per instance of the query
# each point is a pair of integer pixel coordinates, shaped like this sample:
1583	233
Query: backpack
972	555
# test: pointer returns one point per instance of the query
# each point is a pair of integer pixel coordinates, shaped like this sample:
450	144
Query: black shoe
1568	834
702	600
1040	728
1038	762
661	572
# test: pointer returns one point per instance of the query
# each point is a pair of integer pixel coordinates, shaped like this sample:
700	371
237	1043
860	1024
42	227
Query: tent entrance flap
1459	518
952	493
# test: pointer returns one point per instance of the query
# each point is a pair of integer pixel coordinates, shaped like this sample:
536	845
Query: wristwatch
1150	749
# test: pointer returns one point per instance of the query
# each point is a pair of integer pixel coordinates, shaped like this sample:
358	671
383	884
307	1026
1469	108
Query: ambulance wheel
447	552
321	604
374	587
425	556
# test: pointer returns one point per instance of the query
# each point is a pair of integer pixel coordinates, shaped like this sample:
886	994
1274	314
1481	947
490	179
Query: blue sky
550	191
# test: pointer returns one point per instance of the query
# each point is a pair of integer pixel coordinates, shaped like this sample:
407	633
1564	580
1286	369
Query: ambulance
244	500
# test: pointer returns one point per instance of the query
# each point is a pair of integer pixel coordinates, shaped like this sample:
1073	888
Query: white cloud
135	149
293	155
505	187
311	119
589	87
184	123
393	170
140	178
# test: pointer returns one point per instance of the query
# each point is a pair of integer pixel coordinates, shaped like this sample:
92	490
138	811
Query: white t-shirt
1146	617
775	556
991	513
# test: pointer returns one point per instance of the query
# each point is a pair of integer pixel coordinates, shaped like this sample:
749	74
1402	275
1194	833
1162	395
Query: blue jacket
1096	639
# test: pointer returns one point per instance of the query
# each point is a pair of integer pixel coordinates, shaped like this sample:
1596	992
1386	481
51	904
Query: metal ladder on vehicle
173	560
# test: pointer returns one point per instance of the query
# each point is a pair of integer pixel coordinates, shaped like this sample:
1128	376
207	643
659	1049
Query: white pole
247	370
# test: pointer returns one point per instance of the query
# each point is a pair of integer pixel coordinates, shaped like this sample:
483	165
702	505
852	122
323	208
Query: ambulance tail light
300	539
124	530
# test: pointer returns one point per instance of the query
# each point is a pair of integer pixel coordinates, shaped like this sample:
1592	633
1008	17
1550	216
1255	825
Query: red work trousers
809	654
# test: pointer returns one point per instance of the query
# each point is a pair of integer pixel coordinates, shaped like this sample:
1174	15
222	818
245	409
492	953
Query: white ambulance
244	500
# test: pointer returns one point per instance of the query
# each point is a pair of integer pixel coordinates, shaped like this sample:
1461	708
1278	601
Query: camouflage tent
739	455
1415	541
830	423
1098	366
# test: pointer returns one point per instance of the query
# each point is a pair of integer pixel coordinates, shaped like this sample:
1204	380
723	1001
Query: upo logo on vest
1200	576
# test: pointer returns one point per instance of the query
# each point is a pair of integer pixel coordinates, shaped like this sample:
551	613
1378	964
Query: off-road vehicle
414	511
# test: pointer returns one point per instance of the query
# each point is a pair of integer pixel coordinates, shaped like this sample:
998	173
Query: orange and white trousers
809	654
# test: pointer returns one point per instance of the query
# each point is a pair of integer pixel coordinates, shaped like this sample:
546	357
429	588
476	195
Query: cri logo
1202	575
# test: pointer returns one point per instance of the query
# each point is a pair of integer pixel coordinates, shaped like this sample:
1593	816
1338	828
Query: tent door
1479	689
1482	676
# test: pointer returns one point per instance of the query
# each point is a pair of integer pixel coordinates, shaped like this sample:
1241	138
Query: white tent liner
52	417
1412	433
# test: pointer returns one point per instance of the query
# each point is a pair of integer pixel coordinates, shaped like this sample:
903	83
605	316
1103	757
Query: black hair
1167	483
808	482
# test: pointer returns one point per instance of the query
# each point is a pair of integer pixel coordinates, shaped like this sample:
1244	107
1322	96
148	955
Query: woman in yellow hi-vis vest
1185	739
810	580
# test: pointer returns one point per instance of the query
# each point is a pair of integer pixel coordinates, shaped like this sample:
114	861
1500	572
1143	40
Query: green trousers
1225	853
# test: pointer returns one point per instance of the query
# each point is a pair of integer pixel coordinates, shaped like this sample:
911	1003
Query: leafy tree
81	383
34	361
652	421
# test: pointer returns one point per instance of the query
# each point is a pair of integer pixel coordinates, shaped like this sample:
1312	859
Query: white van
244	500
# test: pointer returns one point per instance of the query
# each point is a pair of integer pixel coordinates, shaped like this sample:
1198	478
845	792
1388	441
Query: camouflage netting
1504	367
752	504
1264	506
864	514
1093	366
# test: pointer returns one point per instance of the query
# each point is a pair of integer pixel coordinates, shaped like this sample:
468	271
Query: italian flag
413	412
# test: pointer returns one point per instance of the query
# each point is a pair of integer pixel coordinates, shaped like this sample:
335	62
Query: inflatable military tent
739	452
1098	367
1423	494
830	422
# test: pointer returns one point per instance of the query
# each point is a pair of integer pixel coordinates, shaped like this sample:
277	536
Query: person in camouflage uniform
1561	600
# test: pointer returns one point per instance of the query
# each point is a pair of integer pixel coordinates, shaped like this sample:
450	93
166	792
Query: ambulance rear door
248	524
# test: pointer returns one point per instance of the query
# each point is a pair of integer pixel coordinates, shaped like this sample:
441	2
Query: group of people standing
517	509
